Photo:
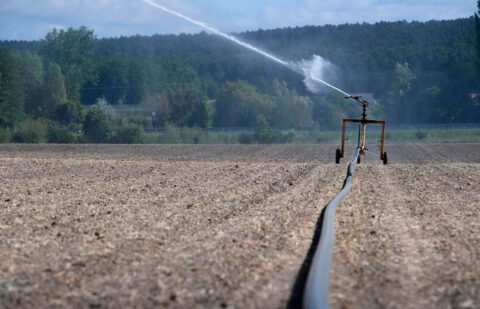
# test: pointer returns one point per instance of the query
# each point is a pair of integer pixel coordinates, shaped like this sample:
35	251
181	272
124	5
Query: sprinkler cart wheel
385	158
338	155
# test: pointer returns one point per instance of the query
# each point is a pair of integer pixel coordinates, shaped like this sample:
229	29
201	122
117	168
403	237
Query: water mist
313	70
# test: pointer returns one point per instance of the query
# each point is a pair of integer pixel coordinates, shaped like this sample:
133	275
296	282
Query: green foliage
325	113
187	108
161	110
5	135
263	131
264	134
12	94
418	73
113	80
68	112
246	138
72	50
136	79
290	110
176	135
421	134
239	104
171	135
32	74
477	25
130	133
54	92
60	135
98	128
211	112
399	91
331	109
32	131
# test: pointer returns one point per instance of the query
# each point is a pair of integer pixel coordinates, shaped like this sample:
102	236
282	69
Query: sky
33	19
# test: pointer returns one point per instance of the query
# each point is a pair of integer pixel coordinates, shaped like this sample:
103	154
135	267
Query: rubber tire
338	155
385	158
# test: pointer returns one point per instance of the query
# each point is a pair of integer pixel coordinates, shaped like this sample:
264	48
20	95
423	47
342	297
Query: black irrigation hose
316	295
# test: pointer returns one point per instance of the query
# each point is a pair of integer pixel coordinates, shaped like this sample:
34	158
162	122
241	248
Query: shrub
420	135
246	138
5	135
32	131
289	136
59	135
171	135
130	133
263	131
81	139
98	128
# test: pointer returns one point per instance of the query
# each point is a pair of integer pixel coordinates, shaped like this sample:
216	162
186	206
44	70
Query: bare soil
320	153
229	226
408	236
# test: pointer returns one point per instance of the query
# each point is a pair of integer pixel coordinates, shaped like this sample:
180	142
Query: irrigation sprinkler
362	130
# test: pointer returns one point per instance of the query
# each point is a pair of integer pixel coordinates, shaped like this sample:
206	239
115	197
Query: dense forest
112	89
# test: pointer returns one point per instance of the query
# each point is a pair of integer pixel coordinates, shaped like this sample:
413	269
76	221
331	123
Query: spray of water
217	32
315	71
312	70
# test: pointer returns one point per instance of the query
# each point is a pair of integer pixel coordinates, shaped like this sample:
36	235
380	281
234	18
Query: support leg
344	124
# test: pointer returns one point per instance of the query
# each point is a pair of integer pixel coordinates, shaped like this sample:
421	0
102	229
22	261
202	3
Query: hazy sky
32	19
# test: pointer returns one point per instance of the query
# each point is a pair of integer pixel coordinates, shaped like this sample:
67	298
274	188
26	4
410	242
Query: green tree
130	133
429	99
68	112
263	131
289	109
54	92
98	128
477	24
400	89
477	30
239	104
187	108
444	54
32	75
113	78
12	93
161	110
59	135
137	83
72	50
200	114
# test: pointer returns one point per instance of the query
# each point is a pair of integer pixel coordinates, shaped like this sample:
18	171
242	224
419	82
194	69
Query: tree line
70	81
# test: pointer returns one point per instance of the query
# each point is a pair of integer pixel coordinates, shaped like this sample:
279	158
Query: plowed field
229	226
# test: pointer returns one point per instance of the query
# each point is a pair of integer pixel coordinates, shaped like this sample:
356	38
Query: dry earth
228	226
408	236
